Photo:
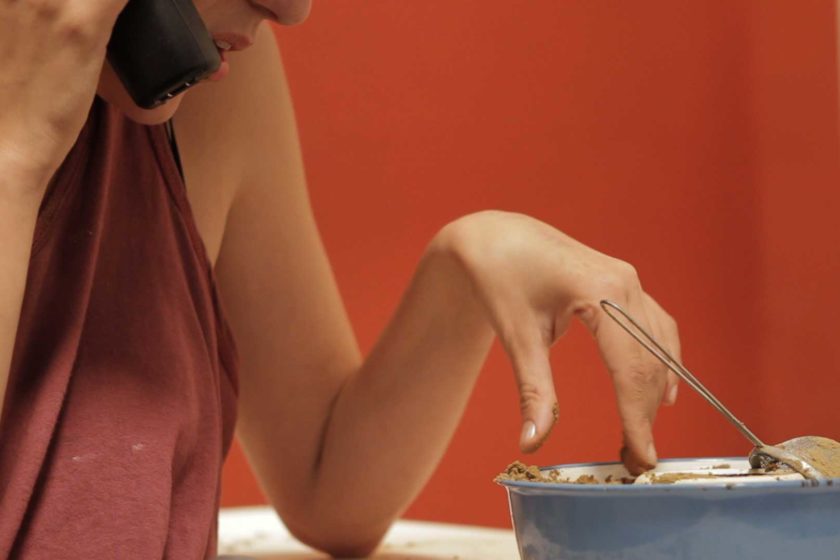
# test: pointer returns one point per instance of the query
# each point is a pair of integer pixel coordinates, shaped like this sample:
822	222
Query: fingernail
651	453
529	431
672	394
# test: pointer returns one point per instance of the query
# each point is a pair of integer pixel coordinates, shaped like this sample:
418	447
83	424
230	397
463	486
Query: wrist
485	243
447	261
454	255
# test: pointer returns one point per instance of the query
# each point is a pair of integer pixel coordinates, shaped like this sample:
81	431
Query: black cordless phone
159	48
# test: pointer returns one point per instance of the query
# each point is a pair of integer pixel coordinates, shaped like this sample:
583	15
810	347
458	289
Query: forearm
20	197
398	413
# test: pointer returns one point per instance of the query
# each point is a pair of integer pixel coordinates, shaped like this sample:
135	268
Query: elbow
339	539
348	549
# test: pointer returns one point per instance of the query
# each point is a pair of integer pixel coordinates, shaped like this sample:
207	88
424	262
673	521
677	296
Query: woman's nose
286	12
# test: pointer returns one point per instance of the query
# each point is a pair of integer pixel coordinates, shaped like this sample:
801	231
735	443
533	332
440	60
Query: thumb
529	354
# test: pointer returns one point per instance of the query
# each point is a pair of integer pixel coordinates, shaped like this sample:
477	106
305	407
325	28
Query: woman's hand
53	54
532	279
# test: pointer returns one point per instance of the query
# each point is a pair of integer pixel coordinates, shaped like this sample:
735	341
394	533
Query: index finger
638	378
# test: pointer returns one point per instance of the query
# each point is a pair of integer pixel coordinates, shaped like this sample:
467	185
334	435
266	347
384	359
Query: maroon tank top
121	400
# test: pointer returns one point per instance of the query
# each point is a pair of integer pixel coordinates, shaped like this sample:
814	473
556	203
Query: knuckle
78	31
617	279
609	284
672	325
639	377
529	395
627	273
84	25
46	9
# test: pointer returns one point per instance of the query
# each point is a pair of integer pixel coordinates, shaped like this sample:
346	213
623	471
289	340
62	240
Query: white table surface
257	532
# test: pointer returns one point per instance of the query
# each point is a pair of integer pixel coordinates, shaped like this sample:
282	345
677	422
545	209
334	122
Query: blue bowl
733	516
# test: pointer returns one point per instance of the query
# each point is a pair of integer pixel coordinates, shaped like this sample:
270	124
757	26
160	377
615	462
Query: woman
120	378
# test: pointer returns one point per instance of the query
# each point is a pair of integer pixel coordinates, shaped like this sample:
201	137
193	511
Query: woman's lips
227	42
231	41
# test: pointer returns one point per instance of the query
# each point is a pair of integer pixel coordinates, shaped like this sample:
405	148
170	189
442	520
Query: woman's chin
158	115
111	90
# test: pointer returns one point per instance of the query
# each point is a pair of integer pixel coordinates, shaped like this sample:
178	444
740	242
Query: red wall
697	140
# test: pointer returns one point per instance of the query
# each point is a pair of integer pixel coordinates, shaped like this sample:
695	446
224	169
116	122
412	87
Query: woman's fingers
529	354
639	381
638	377
668	335
531	279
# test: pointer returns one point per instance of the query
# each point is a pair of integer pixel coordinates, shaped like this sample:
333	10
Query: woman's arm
53	54
20	196
315	416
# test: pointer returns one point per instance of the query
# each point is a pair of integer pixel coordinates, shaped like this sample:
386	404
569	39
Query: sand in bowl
828	462
531	473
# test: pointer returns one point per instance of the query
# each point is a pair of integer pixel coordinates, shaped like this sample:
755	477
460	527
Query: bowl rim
567	487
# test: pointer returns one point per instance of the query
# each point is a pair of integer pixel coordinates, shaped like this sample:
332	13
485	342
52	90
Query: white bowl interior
722	471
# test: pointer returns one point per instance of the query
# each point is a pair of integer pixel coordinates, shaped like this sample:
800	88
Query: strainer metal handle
652	346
